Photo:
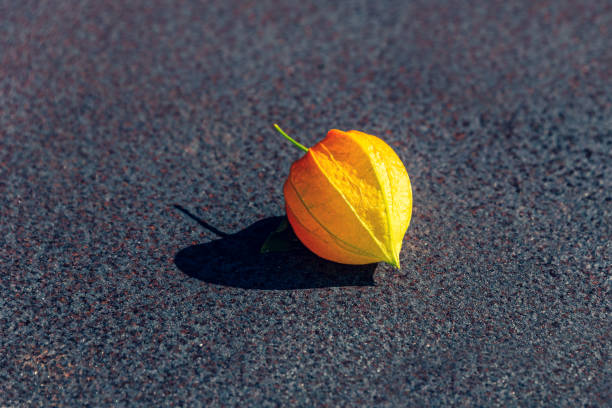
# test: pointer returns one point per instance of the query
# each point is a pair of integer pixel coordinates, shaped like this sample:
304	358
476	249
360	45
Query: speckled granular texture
112	113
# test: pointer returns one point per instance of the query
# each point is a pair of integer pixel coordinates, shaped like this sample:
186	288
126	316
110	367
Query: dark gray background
113	114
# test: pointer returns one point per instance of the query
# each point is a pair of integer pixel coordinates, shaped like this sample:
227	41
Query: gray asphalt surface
140	174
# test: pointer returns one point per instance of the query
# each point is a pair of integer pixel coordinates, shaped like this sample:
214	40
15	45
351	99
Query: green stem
282	132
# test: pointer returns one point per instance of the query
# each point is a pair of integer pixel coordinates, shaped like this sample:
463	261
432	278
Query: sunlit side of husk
349	199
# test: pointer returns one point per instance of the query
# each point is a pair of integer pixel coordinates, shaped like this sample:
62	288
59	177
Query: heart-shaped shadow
236	260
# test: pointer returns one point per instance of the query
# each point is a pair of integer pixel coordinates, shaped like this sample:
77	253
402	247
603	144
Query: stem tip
282	132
